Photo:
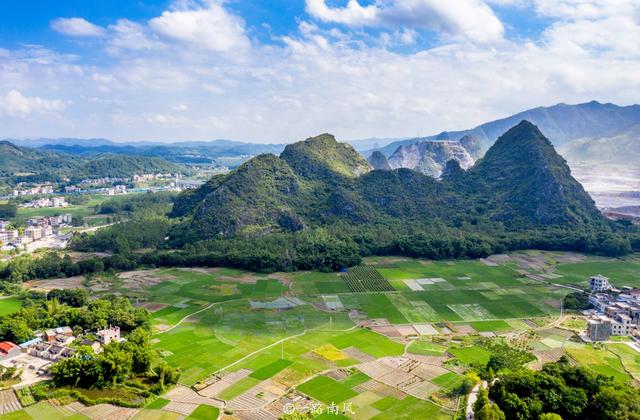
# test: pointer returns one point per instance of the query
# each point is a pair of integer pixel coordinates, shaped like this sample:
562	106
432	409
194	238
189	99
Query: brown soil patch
162	327
76	282
142	279
153	306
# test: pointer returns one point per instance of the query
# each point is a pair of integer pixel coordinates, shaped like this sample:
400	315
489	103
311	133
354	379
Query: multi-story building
8	236
33	232
599	328
108	335
600	283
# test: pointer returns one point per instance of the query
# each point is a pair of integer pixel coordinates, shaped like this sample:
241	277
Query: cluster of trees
48	265
72	297
125	237
139	204
503	358
41	313
118	362
577	301
8	211
568	391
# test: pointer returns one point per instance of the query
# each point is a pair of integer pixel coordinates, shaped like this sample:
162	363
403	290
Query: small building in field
9	350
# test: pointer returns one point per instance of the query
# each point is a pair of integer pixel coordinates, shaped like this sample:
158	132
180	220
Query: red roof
7	346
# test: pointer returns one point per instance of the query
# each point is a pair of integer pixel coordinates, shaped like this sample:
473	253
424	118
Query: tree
490	411
550	416
116	363
15	330
138	344
482	400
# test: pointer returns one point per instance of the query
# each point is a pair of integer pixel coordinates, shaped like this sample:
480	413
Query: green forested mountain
41	165
521	189
15	159
523	179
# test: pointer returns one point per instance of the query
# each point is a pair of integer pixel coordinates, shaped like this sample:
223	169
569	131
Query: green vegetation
23	164
157	404
366	279
569	391
204	412
426	348
271	369
311	187
490	326
600	360
9	305
326	390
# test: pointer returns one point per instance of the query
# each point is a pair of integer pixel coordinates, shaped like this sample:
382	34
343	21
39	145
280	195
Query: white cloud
318	79
76	27
470	19
128	35
15	103
180	107
208	27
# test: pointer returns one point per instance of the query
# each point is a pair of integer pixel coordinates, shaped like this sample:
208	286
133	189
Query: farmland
387	339
9	304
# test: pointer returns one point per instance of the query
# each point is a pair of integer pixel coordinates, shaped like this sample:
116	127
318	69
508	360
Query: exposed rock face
379	161
429	157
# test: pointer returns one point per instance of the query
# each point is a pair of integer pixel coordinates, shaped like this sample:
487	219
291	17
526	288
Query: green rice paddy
9	305
213	328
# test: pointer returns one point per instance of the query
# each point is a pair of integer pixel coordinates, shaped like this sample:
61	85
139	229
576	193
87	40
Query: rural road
472	399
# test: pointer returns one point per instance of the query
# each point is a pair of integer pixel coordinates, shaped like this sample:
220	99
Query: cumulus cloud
208	27
128	35
77	27
470	19
15	103
163	83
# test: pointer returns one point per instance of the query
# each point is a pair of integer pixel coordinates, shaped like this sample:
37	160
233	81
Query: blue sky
283	70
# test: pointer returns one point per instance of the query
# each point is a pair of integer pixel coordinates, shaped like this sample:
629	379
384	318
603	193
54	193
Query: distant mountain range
190	152
587	132
581	132
26	164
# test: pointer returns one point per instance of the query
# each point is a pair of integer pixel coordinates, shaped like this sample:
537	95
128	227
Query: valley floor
388	340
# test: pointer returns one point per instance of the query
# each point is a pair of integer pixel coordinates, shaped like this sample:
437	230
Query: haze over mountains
561	123
598	140
584	132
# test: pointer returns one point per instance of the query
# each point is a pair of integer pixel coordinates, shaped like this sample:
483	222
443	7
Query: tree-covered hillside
36	165
521	194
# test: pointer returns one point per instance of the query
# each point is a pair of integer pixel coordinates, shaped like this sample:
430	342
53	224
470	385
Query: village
33	357
41	232
616	312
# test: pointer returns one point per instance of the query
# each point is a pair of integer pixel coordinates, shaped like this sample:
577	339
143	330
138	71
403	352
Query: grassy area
601	360
157	404
426	348
490	326
204	412
9	305
327	390
271	369
621	271
472	354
